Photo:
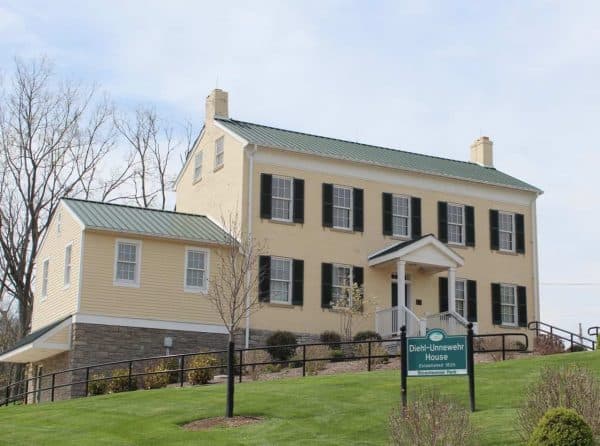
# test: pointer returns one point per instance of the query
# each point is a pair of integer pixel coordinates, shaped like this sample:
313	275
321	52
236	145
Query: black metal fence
129	372
594	331
574	339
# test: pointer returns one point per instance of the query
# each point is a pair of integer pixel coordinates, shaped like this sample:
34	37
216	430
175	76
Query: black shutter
443	290
298	200
415	217
494	230
443	221
298	282
264	278
522	305
471	301
496	305
357	211
386	207
470	226
326	278
266	182
520	233
327	205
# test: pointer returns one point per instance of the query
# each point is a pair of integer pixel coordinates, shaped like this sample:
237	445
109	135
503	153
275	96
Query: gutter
250	153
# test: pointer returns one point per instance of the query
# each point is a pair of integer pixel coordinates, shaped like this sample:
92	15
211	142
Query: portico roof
48	341
426	251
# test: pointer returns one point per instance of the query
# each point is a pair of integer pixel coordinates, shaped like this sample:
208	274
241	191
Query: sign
436	354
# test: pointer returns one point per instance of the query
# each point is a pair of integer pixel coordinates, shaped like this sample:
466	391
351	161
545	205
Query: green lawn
321	410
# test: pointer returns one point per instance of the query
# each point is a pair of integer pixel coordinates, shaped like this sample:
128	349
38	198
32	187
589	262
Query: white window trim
290	282
466	297
138	264
198	154
291	210
409	224
463	226
514	232
221	138
196	289
351	275
66	284
350	215
516	305
46	280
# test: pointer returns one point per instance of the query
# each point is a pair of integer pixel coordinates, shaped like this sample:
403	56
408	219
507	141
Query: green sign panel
436	354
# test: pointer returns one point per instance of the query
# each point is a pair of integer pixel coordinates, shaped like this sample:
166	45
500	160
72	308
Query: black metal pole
369	357
471	366
129	381
181	367
241	363
230	379
53	382
87	381
403	365
303	360
7	393
503	348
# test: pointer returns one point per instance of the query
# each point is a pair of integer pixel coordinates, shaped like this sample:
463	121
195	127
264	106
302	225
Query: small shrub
562	427
253	356
172	364
366	335
548	345
570	387
158	378
120	381
273	368
576	348
317	352
284	345
337	355
200	374
332	338
99	387
431	420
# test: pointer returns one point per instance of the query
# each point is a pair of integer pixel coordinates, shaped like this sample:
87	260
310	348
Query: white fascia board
189	158
148	323
231	133
429	240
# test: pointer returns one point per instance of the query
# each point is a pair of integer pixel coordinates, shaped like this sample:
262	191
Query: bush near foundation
283	345
562	427
332	338
158	377
120	381
203	375
99	387
367	335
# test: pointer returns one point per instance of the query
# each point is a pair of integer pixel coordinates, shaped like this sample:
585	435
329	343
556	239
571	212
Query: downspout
250	196
536	284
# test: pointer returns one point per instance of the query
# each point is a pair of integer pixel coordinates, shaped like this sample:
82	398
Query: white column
452	290
401	273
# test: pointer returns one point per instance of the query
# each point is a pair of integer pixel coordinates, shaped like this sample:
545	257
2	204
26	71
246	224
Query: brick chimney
217	105
482	152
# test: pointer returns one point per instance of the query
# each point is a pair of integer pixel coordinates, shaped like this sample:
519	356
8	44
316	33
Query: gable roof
265	136
152	222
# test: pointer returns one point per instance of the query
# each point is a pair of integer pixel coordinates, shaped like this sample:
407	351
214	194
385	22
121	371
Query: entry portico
430	256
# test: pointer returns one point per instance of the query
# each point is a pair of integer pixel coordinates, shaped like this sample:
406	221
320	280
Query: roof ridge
165	211
358	143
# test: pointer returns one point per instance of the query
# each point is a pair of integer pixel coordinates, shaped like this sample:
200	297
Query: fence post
52	391
571	342
129	375
403	365
471	365
303	359
26	394
369	357
241	363
503	348
181	367
87	381
7	393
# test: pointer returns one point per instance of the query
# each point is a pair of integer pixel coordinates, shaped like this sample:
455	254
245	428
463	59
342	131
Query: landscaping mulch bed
211	423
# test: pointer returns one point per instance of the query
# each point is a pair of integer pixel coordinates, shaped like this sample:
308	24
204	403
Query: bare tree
233	292
54	137
152	145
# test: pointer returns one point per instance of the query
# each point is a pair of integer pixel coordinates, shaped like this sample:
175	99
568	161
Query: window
67	272
281	280
281	198
219	152
400	216
341	283
127	265
342	207
45	267
506	226
59	223
456	224
196	270
198	166
461	297
508	304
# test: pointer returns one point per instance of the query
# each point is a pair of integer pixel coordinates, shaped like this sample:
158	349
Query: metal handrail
593	331
562	334
182	369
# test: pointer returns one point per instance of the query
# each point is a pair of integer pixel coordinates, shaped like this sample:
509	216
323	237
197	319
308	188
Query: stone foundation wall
50	365
259	338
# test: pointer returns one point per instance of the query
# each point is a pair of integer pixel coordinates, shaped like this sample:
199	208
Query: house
433	242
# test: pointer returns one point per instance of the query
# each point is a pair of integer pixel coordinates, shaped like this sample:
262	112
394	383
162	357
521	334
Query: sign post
437	354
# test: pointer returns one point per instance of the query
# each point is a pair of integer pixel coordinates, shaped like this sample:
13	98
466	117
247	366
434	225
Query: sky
424	76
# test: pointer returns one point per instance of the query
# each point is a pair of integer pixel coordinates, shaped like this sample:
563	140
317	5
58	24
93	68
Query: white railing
452	323
389	320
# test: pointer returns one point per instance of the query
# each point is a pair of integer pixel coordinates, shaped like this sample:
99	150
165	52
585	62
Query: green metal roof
352	151
153	222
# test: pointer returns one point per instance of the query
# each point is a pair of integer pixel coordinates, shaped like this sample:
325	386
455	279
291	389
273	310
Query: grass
321	410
